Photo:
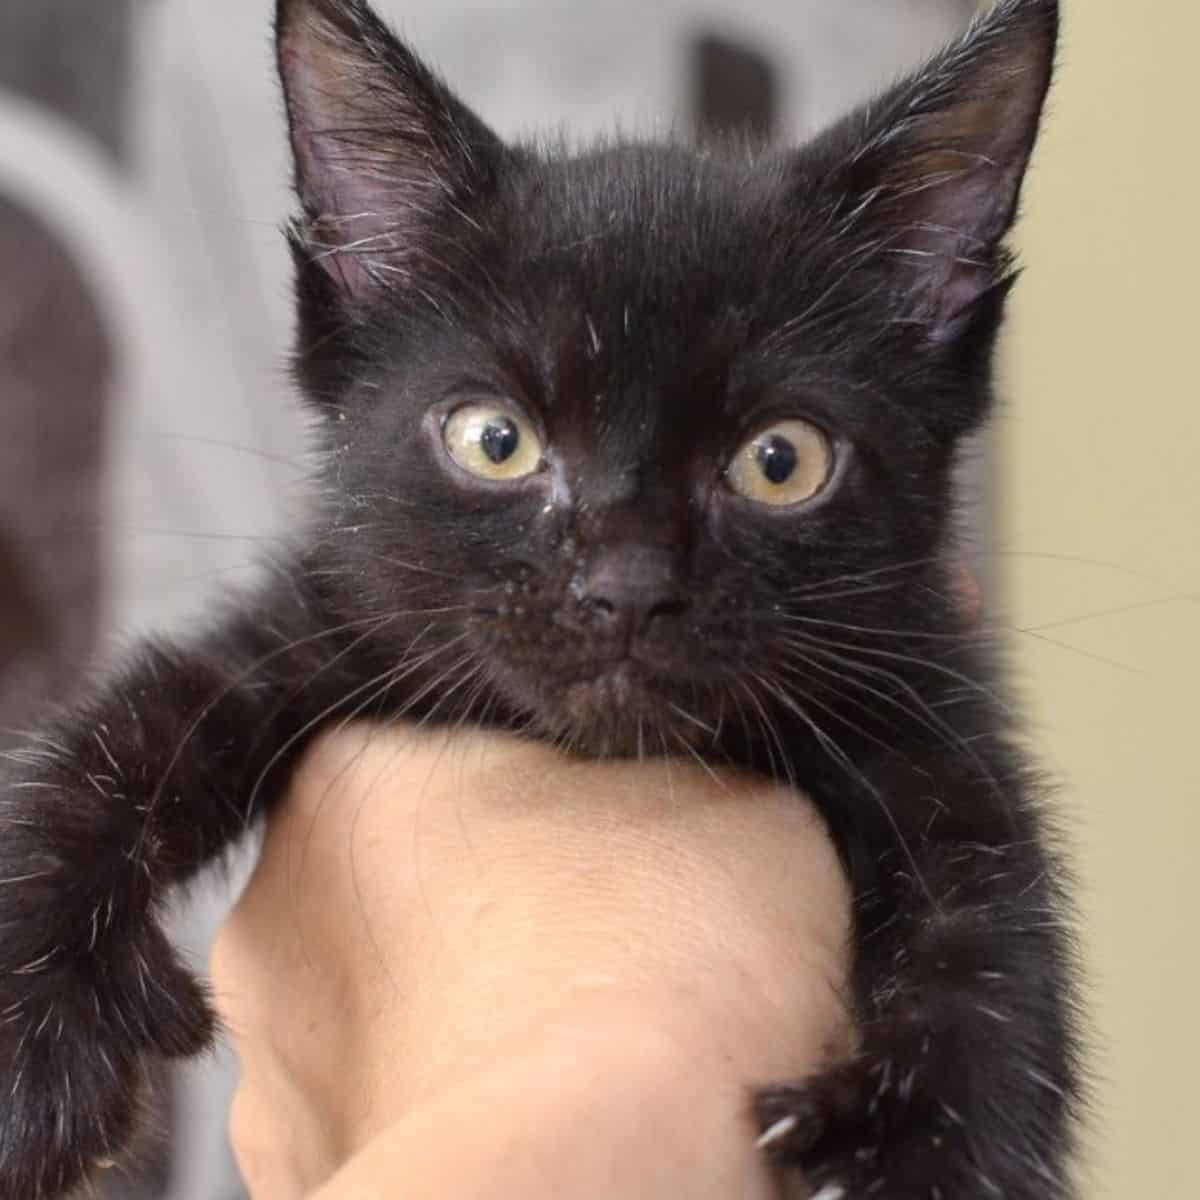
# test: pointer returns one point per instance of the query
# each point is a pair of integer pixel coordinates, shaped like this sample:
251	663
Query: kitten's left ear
930	175
384	151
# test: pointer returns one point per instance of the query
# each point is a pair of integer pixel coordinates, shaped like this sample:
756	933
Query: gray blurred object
56	358
57	368
73	57
56	362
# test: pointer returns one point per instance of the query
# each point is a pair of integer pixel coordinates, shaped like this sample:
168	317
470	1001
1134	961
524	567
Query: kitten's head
645	437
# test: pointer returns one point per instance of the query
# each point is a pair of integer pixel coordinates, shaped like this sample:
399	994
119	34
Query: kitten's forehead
619	304
642	271
657	223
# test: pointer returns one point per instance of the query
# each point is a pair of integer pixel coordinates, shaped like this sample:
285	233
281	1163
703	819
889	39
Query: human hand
478	967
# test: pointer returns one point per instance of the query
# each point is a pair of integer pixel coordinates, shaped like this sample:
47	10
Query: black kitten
641	450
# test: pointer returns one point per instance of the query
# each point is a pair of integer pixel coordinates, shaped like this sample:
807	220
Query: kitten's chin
620	713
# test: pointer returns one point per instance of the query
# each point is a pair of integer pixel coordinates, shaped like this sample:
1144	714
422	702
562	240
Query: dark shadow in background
735	91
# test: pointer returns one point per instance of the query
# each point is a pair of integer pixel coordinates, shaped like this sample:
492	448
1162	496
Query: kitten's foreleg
102	814
964	1083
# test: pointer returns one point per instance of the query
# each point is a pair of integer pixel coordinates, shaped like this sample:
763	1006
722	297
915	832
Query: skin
473	967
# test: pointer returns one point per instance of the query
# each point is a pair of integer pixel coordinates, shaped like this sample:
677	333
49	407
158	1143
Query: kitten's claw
831	1191
776	1133
848	1136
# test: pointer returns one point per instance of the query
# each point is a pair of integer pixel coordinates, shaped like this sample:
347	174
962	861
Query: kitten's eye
786	464
492	442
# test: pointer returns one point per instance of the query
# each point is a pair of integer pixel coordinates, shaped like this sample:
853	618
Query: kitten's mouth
610	700
623	707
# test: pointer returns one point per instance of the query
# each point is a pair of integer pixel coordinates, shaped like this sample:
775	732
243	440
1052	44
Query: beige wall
1100	515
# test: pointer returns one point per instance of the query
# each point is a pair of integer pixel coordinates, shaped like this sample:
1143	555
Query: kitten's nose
629	587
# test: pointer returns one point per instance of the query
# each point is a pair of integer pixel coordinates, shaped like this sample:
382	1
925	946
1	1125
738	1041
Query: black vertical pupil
500	439
777	459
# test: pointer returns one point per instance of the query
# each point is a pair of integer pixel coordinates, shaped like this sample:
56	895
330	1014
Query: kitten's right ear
928	177
384	152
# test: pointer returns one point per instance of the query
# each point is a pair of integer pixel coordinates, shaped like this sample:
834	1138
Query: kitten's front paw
74	1038
877	1128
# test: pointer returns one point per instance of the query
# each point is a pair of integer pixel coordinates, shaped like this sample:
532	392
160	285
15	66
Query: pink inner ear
950	238
349	149
339	219
955	196
383	150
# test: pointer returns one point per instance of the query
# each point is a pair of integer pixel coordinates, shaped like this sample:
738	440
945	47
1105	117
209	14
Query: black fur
649	308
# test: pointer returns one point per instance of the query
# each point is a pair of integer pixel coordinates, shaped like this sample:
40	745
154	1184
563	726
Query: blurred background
150	444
